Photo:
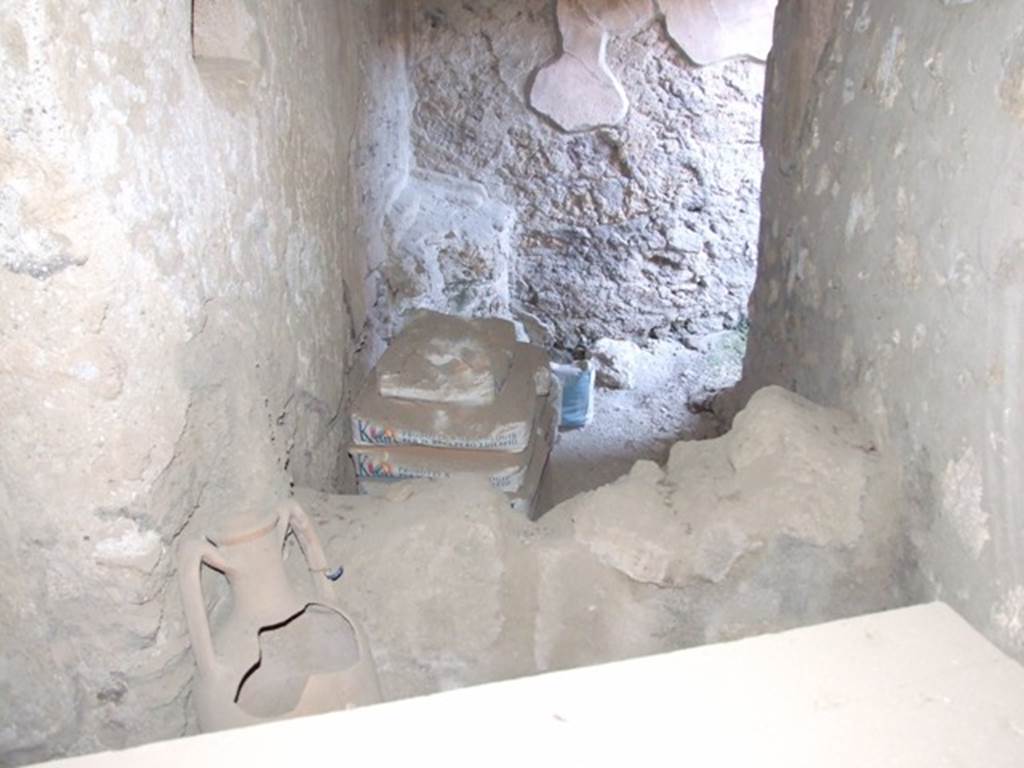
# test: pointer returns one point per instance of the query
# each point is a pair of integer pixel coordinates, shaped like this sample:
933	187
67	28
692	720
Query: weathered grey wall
891	277
183	250
383	153
648	225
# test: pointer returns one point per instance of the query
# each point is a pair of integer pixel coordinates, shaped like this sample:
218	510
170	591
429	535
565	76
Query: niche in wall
226	47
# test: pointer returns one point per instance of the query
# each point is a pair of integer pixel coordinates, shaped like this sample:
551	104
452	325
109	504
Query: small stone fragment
616	363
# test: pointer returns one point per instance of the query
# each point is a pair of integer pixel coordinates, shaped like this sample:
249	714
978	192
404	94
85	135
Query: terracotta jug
282	650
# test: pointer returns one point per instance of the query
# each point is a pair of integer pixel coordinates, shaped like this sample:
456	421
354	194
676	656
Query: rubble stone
781	522
616	363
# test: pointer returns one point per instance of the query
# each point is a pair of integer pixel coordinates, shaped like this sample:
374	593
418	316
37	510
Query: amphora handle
292	516
191	556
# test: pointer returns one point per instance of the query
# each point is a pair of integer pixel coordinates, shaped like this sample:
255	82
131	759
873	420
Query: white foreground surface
907	688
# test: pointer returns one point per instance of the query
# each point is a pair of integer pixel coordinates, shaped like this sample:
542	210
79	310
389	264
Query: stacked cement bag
456	396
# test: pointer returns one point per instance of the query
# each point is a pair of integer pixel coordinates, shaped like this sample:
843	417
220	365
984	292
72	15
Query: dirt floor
668	404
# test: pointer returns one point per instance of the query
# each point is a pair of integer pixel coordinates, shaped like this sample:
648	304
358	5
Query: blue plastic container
577	380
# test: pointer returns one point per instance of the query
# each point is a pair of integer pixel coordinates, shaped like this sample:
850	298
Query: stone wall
890	280
645	228
383	157
183	249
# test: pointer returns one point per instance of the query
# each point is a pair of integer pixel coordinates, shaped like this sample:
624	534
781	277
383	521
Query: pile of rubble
782	522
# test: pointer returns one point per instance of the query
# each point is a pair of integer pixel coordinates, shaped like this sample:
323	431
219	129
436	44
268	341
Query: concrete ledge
907	688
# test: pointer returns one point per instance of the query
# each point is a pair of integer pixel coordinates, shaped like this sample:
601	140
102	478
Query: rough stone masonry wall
891	277
649	226
174	337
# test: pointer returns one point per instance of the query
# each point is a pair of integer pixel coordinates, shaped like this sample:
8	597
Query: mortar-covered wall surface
650	225
181	291
891	277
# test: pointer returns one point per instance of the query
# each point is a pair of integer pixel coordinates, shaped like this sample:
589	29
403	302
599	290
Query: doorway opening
615	166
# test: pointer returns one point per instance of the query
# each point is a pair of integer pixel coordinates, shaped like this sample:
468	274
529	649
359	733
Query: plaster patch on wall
824	180
918	339
713	30
863	22
847	356
15	48
224	29
129	547
962	491
906	257
862	212
1008	617
1011	88
580	92
849	91
888	81
453	246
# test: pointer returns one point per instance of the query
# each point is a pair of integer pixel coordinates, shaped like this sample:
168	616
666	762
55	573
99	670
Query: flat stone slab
915	688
